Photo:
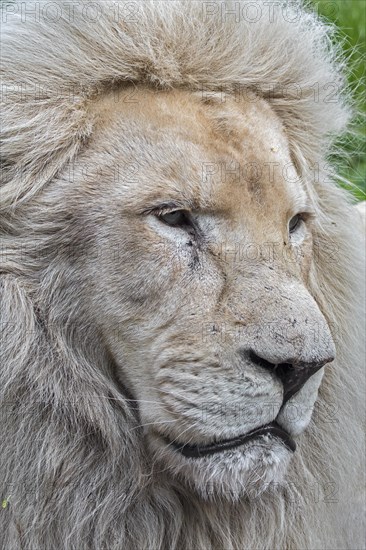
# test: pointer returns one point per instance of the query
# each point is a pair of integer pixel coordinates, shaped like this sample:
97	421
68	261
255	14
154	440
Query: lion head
181	281
202	296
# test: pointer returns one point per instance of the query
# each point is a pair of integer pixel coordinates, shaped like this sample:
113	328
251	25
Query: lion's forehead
218	152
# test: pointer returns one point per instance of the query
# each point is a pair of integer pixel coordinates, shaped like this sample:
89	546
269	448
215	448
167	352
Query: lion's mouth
197	451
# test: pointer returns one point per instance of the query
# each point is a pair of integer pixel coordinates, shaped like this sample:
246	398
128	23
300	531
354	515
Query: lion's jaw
183	312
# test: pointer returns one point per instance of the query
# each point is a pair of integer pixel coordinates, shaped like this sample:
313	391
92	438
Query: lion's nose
292	373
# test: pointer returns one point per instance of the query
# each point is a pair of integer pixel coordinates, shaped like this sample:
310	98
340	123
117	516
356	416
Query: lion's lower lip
198	451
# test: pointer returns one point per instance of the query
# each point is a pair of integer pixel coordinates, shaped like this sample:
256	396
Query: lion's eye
294	223
177	218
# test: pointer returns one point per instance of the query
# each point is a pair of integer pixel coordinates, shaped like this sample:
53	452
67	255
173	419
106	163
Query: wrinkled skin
183	310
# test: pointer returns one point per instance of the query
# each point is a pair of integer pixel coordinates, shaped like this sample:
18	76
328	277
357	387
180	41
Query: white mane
73	469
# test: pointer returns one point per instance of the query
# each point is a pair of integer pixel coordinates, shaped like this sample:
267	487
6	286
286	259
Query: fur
74	471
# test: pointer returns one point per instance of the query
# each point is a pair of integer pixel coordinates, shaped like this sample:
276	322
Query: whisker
153	424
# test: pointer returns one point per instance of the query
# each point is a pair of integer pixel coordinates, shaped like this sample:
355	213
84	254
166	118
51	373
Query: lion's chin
243	472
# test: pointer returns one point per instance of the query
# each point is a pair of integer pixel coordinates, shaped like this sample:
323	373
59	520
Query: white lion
181	280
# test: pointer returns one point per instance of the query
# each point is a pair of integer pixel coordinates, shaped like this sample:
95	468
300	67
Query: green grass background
350	18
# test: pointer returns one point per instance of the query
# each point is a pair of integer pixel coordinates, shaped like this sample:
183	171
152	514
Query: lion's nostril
285	371
260	361
293	374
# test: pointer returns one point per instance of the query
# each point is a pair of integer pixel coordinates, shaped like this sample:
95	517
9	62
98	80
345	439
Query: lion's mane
73	471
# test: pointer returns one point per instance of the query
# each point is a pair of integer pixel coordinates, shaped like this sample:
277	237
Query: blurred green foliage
350	18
